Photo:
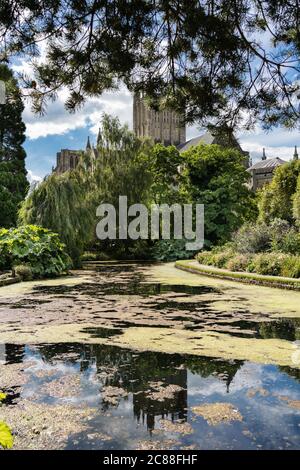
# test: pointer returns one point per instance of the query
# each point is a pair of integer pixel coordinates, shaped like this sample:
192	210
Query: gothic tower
163	126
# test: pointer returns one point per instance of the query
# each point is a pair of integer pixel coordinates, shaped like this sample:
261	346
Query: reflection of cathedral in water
133	372
145	409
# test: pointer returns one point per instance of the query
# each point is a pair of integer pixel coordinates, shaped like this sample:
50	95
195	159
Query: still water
265	396
78	395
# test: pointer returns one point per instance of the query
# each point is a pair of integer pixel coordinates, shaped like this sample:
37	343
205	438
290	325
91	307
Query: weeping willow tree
62	203
67	203
122	165
122	169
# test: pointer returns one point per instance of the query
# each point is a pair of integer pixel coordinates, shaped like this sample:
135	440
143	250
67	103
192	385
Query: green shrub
238	262
291	266
278	229
170	250
252	238
221	258
260	237
88	256
24	272
289	243
272	263
36	247
103	256
205	257
218	256
266	263
94	256
275	264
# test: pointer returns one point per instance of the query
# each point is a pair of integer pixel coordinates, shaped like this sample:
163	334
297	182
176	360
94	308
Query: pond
93	363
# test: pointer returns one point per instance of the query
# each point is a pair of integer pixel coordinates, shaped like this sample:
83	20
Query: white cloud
58	121
32	178
277	143
286	153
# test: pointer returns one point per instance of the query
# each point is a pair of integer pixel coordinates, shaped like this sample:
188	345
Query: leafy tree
296	203
121	169
276	198
216	177
13	182
203	56
164	164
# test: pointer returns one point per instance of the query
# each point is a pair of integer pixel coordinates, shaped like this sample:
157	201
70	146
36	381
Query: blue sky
41	152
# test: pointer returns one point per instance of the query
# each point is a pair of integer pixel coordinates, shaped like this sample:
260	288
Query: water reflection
255	390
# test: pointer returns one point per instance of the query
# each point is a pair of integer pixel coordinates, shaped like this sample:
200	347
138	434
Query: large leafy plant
34	246
6	438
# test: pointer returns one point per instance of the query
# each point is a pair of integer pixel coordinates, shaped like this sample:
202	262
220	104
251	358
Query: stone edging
7	281
248	278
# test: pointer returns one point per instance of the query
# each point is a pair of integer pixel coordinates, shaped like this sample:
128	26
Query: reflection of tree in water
288	329
14	353
205	366
133	372
295	373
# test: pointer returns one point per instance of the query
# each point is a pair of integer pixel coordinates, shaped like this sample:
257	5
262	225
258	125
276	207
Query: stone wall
165	126
67	160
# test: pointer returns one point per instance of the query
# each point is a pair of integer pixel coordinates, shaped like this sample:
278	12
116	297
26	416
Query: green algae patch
27	287
231	296
53	333
165	340
209	344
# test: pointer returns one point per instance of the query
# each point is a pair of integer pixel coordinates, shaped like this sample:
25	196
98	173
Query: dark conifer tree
13	181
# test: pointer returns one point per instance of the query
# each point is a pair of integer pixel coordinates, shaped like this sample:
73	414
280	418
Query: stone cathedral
168	127
165	126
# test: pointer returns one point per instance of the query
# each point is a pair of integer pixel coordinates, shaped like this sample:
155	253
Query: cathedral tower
164	126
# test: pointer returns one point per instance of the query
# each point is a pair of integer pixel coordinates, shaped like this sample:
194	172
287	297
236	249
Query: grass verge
249	278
